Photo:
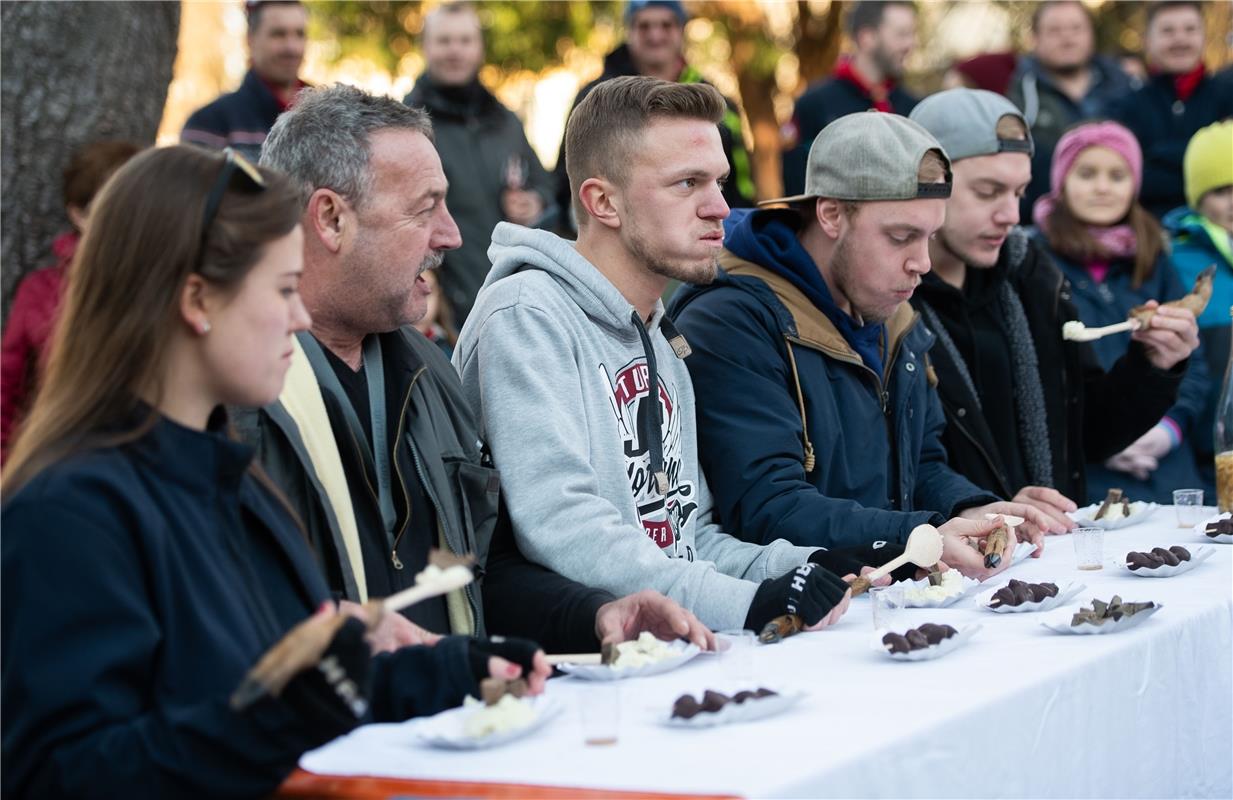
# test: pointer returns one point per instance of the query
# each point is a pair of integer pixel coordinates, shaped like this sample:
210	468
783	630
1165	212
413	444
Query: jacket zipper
984	454
402	417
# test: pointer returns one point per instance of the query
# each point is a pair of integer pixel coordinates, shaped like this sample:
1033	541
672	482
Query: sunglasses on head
238	170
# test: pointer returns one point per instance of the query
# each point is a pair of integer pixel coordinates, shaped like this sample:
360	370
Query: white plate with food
939	643
1145	568
644	656
920	594
744	706
1064	594
1062	622
1220	538
1139	512
475	726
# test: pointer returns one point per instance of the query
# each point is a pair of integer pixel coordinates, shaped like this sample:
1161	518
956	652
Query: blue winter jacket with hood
811	427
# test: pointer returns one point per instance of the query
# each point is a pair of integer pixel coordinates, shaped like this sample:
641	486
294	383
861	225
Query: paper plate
601	672
747	711
1022	550
1201	530
932	651
445	730
969	584
1059	622
1197	555
1139	511
1064	593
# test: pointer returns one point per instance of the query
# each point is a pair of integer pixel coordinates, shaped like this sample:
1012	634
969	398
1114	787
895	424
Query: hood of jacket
516	249
458	103
769	239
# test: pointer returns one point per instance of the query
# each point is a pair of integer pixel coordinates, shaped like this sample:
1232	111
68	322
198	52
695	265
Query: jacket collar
201	460
809	325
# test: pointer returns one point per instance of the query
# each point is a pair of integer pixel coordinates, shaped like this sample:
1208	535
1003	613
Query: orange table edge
302	785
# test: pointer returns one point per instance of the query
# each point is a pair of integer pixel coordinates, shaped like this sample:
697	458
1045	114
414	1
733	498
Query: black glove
809	591
518	651
334	693
849	560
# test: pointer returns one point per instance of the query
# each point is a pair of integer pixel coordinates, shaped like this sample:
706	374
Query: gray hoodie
552	356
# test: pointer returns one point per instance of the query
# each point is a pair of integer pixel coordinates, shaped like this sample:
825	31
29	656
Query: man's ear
602	201
829	213
329	218
197	300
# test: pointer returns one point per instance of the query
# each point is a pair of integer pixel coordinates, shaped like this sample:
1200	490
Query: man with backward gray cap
1025	410
817	417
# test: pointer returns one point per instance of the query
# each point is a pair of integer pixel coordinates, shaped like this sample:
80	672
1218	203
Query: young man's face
655	38
1174	41
984	206
453	48
1217	206
276	45
1064	37
671	206
894	40
882	254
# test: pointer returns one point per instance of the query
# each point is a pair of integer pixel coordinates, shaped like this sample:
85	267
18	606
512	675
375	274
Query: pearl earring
205	327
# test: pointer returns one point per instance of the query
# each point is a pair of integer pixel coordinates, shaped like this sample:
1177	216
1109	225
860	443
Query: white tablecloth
1017	712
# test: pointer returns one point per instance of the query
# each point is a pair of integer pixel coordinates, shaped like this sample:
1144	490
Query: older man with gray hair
372	438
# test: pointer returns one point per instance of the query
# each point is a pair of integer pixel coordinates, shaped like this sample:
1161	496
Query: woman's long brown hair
110	343
1070	237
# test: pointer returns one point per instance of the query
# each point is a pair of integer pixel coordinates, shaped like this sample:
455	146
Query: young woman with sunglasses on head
1114	254
147	564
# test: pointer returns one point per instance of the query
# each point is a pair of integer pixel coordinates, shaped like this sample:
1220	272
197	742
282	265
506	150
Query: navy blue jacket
140	584
775	380
1163	125
1108	303
239	120
819	106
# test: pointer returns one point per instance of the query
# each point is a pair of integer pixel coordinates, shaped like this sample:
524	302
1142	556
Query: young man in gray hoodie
568	342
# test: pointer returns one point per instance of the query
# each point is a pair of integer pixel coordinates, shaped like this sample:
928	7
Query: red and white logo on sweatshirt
663	517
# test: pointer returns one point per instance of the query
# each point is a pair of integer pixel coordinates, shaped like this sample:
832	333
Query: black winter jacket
478	139
140	584
239	120
1090	414
443	444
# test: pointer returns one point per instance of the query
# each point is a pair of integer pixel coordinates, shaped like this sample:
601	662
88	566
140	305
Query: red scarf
878	93
1186	84
277	91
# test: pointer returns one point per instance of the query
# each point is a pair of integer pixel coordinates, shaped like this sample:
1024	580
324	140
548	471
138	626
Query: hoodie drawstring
652	421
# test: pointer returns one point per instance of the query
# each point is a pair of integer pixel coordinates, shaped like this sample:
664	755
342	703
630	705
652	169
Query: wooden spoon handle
886	568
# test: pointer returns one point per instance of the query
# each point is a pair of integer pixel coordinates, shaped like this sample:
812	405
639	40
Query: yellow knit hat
1208	163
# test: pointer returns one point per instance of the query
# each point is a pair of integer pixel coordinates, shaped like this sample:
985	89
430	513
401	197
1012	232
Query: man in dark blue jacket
1178	100
817	419
883	34
240	120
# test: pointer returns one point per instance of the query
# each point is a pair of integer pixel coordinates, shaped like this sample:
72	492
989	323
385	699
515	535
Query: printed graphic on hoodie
662	517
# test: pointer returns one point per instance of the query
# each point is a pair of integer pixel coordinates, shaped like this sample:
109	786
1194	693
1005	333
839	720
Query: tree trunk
817	41
71	73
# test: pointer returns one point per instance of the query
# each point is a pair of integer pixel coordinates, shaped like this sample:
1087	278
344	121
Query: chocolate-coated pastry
713	701
741	697
933	633
1221	527
916	639
896	643
685	707
1023	593
1050	588
1165	556
1142	561
950	631
1182	553
764	692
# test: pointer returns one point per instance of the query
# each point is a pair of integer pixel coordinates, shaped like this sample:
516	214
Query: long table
1019	711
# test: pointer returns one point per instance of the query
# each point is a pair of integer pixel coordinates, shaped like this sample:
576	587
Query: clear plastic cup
1089	548
1189	506
599	712
888	604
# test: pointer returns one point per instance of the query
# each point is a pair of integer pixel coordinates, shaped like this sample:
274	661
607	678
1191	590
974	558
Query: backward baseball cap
870	155
965	121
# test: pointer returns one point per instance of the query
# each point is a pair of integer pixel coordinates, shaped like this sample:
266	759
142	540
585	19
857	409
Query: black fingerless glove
849	560
332	696
518	651
809	591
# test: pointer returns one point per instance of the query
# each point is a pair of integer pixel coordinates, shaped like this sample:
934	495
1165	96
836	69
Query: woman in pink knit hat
1114	254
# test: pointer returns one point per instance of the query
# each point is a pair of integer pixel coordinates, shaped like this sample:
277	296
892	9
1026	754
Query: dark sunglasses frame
233	164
